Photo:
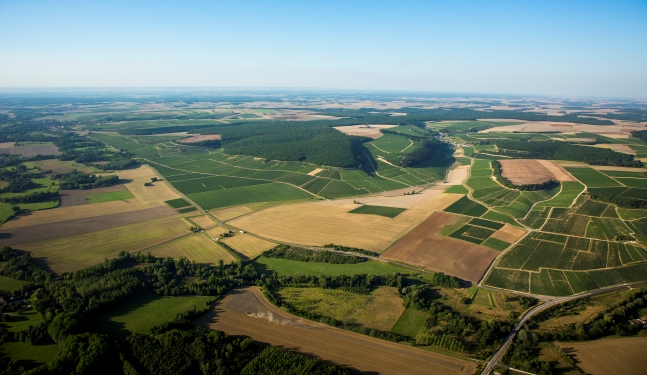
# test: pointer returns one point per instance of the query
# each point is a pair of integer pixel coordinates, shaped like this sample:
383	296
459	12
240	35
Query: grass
380	309
22	321
248	194
466	206
378	210
109	197
186	209
143	312
9	284
29	356
178	203
592	178
495	244
457	189
286	267
410	322
565	198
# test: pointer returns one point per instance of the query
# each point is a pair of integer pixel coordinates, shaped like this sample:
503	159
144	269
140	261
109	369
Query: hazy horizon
574	49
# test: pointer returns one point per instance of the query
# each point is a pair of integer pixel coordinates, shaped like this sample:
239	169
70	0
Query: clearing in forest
380	309
524	171
371	131
199	138
423	247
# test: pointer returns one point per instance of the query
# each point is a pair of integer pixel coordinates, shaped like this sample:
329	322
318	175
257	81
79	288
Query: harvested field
48	231
457	176
246	312
203	221
422	200
196	247
620	148
371	131
216	231
525	171
230	213
75	252
32	150
61	214
247	245
509	233
153	195
7	144
609	356
199	138
559	173
314	171
614	168
422	247
318	224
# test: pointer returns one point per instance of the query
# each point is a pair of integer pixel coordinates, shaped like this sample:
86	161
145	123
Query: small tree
153	179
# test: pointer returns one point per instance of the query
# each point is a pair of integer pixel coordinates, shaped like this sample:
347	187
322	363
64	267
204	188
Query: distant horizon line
303	89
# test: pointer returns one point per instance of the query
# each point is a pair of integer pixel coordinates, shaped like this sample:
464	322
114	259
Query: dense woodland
640	134
555	150
74	179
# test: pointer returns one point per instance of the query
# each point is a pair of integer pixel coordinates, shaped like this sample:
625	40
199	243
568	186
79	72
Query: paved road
536	310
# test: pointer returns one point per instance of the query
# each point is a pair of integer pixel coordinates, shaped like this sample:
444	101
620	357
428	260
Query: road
496	358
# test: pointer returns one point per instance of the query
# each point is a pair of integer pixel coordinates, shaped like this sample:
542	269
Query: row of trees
618	200
555	150
305	255
74	179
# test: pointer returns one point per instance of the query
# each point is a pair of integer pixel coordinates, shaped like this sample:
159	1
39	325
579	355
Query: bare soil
7	144
32	150
371	131
41	232
509	233
423	248
199	138
524	171
558	171
246	312
609	356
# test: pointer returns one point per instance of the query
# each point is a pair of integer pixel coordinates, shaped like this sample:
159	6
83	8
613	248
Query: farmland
423	247
380	309
265	323
322	223
195	247
60	254
390	212
247	245
609	356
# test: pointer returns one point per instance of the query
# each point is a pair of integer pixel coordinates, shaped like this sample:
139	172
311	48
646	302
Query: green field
410	322
378	210
10	284
27	355
495	244
457	189
143	312
592	178
109	197
178	203
293	267
569	191
466	206
270	192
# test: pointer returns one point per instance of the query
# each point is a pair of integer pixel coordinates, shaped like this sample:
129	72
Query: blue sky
565	48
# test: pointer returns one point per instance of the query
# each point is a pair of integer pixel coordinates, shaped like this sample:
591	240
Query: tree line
555	150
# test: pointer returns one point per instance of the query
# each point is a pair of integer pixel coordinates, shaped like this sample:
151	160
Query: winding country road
496	358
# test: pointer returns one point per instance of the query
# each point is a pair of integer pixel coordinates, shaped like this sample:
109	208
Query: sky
563	48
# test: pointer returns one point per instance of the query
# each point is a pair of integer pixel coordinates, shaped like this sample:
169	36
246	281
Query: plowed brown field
246	312
610	356
524	171
422	247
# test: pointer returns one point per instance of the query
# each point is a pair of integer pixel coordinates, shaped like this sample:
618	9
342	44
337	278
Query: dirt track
246	312
41	232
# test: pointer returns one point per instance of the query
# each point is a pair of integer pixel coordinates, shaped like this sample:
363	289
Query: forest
555	150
